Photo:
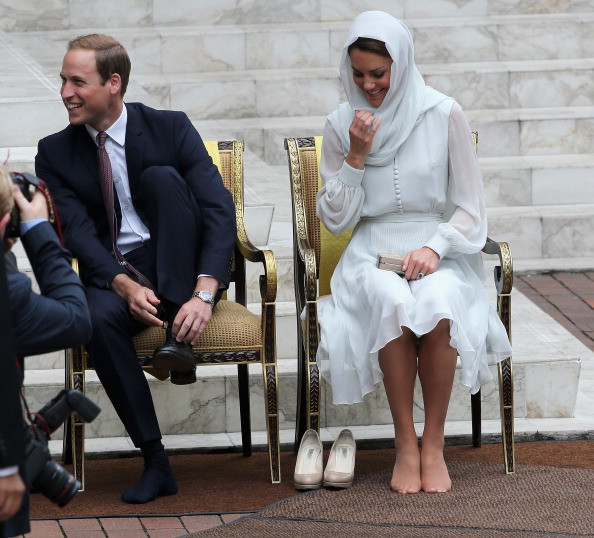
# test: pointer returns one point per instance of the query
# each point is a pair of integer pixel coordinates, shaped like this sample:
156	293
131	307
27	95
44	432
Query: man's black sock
157	478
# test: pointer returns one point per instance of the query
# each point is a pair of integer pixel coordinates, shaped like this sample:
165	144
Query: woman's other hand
361	133
422	261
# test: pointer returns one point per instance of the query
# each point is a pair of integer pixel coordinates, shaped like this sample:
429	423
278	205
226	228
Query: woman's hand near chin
361	133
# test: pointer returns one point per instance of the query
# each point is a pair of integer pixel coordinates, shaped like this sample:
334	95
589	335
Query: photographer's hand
141	301
35	209
12	489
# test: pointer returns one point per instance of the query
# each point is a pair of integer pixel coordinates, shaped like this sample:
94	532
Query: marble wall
60	14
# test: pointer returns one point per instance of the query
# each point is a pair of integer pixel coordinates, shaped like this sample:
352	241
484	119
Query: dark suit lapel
86	151
134	147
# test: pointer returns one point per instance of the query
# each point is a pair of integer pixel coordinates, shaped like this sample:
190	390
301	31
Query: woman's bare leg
437	365
398	361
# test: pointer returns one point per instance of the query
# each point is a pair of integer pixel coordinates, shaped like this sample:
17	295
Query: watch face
205	295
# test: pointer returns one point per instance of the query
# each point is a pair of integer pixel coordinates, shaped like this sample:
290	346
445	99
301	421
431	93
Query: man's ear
3	223
115	84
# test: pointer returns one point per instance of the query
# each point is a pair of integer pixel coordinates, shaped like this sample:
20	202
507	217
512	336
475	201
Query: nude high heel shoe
309	467
340	469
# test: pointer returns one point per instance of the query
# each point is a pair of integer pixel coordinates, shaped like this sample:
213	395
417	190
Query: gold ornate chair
234	335
316	253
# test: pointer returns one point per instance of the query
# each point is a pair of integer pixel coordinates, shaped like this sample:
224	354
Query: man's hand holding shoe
184	331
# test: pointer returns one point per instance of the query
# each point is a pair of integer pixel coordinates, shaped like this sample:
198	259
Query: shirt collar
117	132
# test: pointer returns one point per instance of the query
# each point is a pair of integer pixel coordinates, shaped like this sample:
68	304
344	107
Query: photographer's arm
59	316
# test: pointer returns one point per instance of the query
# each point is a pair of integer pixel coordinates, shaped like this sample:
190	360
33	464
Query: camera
23	181
41	473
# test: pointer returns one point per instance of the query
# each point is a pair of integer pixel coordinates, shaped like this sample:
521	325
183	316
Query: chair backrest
304	158
227	155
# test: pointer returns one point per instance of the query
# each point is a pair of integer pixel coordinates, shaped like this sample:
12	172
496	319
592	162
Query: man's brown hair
110	55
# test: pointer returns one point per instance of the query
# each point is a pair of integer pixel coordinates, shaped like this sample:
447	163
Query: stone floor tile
166	533
129	533
46	528
120	523
161	523
201	523
82	524
228	518
78	533
44	525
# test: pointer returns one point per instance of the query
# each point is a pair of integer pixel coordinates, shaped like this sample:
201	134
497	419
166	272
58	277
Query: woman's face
371	73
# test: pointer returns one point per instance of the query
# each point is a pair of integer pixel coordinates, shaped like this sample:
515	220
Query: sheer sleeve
466	230
339	201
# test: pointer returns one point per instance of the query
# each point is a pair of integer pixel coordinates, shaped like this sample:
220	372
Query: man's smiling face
88	99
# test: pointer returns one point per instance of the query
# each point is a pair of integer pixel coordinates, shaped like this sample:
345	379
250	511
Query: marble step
544	231
146	13
204	47
272	92
502	132
546	358
538	179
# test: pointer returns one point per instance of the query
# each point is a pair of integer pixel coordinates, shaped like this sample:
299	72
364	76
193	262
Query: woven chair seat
232	327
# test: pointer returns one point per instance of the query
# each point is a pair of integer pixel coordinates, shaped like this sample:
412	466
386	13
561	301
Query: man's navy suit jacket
67	161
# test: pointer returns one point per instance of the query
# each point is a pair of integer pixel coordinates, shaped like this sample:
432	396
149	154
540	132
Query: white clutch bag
390	262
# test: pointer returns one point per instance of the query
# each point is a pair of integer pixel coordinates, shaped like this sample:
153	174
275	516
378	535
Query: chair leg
243	378
302	407
77	366
67	436
475	404
506	387
271	391
313	397
273	427
67	442
506	398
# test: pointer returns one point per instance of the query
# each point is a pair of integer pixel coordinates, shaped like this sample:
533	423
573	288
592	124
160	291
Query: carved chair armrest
503	273
269	280
308	259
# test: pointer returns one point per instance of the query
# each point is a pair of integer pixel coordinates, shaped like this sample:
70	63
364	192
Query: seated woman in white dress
399	166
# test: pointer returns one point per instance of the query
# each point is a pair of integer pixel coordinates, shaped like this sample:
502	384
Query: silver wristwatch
205	295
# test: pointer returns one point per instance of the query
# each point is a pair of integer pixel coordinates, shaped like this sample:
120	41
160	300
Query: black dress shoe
174	356
183	378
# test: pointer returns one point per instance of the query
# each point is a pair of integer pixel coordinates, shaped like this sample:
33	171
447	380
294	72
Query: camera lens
56	483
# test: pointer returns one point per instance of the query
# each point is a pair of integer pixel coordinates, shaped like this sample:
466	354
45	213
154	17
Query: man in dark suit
174	224
58	317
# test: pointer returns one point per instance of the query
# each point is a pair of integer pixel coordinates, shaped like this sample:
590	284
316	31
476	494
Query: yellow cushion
331	245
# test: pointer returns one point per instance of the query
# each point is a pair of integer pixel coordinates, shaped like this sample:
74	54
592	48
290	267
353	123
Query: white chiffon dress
430	195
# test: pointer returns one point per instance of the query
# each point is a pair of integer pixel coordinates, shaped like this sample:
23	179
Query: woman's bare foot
406	477
434	472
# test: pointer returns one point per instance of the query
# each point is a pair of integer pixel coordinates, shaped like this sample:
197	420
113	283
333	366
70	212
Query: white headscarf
407	99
